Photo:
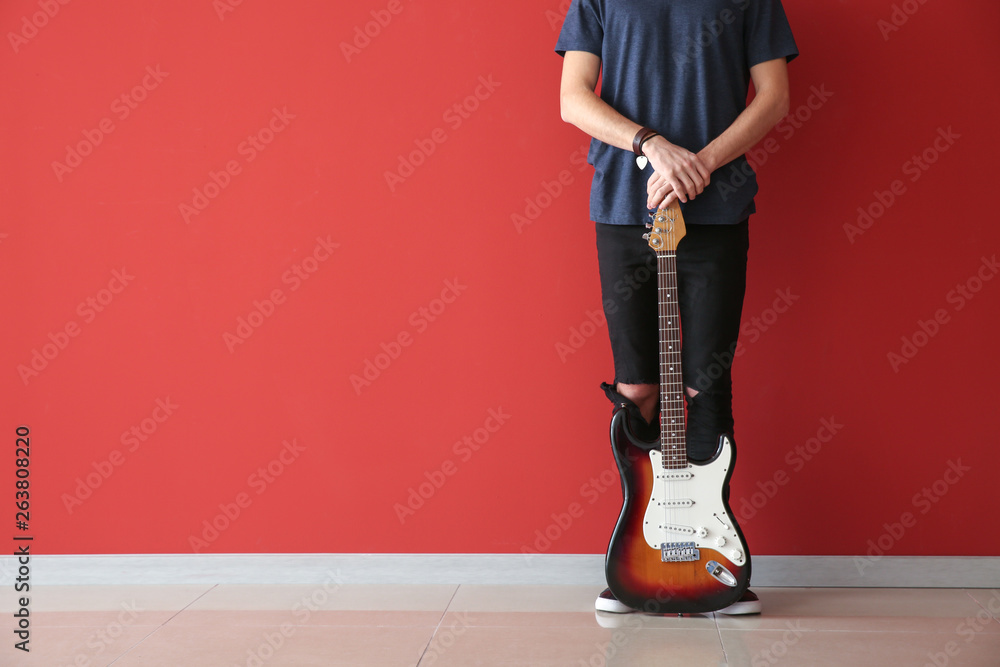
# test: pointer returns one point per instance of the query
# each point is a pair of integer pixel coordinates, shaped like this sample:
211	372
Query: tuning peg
645	237
649	225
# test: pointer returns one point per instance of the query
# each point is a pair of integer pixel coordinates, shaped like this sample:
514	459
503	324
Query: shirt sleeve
583	29
767	33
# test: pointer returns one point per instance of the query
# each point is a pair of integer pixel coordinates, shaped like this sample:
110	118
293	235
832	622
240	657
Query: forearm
586	110
762	114
679	171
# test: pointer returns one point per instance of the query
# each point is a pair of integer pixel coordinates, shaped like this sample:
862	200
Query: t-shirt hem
789	57
562	52
701	221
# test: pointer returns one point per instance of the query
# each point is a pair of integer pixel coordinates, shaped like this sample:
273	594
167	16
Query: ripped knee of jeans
640	427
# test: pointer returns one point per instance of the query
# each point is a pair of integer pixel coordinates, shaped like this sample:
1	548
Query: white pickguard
686	506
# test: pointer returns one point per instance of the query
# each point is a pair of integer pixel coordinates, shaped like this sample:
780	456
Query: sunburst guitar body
676	547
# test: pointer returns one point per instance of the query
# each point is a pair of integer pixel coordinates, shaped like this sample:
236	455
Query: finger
655	181
654	197
683	186
697	183
657	195
706	175
697	178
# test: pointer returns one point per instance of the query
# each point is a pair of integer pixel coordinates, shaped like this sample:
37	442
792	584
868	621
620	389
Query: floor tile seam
157	628
277	626
102	626
822	630
982	606
722	642
444	614
581	627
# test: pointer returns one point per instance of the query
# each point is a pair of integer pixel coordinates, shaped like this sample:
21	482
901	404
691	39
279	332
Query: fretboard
672	439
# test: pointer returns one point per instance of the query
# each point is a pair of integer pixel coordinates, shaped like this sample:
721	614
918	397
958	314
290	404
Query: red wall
257	164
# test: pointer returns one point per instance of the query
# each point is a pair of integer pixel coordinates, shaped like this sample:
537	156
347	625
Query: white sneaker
748	604
607	601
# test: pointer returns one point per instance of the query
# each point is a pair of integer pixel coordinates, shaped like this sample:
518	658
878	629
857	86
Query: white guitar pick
642	161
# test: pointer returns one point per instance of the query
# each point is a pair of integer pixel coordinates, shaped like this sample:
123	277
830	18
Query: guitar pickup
674	528
675	476
680	502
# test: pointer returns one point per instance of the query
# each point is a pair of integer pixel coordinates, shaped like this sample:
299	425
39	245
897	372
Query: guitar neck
673	443
667	231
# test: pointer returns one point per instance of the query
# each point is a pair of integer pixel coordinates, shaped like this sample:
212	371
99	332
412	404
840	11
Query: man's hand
678	174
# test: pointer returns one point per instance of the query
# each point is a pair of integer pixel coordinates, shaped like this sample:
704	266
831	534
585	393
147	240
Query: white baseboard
546	569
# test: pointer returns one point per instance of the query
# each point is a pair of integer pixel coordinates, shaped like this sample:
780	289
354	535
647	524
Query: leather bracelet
643	135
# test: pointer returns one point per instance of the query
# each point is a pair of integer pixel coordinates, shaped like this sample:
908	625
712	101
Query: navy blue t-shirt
682	68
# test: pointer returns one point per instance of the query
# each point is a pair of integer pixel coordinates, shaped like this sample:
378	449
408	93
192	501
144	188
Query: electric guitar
676	547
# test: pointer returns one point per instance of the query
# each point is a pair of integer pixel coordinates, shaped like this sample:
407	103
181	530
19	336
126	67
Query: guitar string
672	325
661	272
672	445
661	280
668	323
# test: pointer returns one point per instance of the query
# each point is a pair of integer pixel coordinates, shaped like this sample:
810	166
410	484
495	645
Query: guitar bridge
679	552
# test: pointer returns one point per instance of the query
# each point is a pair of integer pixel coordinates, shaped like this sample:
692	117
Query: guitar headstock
667	229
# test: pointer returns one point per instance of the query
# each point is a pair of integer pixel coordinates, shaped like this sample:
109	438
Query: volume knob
720	541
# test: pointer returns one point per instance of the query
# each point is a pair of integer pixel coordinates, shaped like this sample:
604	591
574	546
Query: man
675	77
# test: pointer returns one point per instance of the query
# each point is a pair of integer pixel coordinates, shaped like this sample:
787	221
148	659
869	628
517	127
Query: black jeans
711	281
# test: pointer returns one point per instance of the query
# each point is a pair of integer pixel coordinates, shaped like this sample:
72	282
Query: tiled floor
452	626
